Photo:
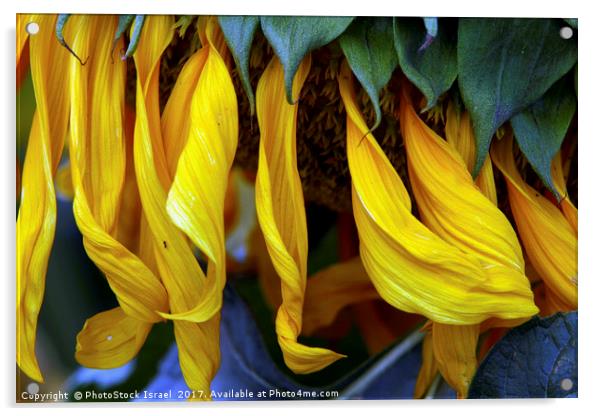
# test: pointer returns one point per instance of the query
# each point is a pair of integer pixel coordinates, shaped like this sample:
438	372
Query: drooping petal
196	198
37	213
281	212
455	349
548	238
428	369
198	344
459	133
97	155
342	284
457	211
110	339
412	268
175	120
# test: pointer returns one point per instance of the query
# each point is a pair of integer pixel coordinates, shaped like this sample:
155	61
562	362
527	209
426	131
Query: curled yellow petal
332	289
412	268
548	238
198	343
281	212
37	213
452	206
97	150
110	339
455	348
196	198
175	120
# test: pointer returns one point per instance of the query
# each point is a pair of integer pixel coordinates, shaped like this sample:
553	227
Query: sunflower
164	143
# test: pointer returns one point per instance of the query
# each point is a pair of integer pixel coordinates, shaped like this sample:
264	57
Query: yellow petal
196	198
269	281
412	268
110	339
459	133
457	211
455	348
548	238
281	212
97	155
568	209
428	369
198	344
37	213
175	120
342	284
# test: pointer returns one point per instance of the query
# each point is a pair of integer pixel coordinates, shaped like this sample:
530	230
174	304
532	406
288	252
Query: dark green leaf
135	35
293	37
504	65
432	68
541	127
535	360
239	32
368	47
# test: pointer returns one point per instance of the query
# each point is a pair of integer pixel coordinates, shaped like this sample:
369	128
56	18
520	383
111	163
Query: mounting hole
566	32
33	388
566	384
32	28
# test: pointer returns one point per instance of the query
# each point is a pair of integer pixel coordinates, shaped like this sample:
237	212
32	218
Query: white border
590	151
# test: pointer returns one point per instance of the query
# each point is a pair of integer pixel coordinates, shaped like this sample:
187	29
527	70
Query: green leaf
504	65
239	32
293	37
541	128
432	68
183	24
368	47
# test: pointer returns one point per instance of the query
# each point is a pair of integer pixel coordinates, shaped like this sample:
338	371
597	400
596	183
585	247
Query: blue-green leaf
239	32
135	35
541	128
61	21
535	360
368	47
125	21
293	37
433	67
504	65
